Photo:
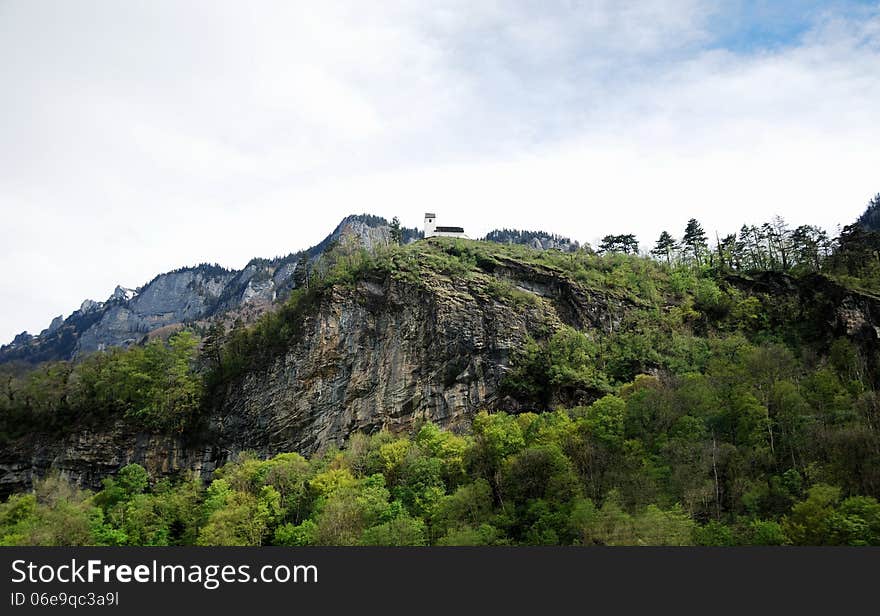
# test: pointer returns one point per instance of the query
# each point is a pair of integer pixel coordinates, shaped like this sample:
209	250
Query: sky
142	136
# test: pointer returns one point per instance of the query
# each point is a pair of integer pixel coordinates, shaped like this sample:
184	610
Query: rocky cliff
386	351
183	296
427	334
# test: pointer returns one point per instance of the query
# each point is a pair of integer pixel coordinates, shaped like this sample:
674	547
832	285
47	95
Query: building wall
430	229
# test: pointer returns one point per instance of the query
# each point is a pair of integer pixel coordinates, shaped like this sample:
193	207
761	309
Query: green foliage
612	525
154	386
694	407
822	519
401	531
564	369
662	463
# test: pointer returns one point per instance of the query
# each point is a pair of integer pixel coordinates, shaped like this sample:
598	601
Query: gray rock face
384	353
89	306
365	235
171	298
554	243
87	456
180	297
56	323
21	340
381	356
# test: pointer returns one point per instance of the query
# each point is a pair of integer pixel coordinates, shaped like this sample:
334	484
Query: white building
432	230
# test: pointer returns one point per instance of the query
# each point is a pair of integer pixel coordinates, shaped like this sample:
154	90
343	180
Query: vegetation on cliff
712	396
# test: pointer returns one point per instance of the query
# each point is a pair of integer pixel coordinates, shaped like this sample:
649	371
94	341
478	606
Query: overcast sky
137	137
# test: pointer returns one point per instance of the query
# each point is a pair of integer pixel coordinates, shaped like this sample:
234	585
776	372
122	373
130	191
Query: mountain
539	240
424	339
436	331
184	296
458	392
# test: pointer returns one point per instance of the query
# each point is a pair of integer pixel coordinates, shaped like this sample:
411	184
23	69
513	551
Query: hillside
626	395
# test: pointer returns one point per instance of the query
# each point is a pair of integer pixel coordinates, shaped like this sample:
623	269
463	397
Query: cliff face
394	347
381	353
88	454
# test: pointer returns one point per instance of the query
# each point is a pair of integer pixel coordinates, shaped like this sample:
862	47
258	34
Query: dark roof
449	230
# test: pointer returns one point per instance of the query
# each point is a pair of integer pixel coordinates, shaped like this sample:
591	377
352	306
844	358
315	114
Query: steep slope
434	331
180	297
387	353
412	340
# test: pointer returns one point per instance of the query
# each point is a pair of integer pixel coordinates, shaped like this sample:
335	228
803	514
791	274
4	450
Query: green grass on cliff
702	407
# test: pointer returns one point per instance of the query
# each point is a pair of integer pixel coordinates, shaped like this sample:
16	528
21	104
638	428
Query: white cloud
137	138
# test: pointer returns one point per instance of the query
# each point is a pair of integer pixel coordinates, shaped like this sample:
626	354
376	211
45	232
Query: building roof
449	229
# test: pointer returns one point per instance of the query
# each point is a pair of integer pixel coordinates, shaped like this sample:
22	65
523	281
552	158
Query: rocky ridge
183	296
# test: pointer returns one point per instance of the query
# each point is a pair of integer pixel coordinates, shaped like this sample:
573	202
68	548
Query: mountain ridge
180	296
206	291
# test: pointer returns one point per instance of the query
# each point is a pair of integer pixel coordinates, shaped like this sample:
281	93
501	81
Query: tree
727	252
780	236
627	244
212	345
401	531
664	247
806	246
858	250
749	244
301	272
694	240
396	231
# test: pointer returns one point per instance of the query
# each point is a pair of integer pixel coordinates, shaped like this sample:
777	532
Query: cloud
140	138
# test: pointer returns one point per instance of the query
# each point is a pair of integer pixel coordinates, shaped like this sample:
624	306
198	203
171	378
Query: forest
718	413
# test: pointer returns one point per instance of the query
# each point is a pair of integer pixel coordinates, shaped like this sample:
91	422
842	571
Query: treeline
771	246
519	236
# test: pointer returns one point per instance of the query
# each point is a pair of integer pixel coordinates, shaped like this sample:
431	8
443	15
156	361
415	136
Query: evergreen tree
695	240
727	252
806	246
781	238
396	232
212	345
664	247
627	244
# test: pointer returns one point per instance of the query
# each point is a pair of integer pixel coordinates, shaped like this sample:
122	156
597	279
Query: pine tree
727	255
212	346
396	232
664	247
695	240
781	236
627	244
